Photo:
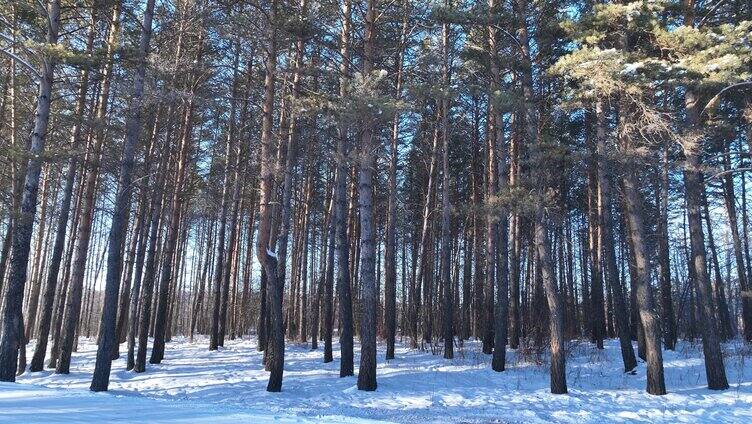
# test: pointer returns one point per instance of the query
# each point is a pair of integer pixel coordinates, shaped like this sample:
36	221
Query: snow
632	68
35	404
194	384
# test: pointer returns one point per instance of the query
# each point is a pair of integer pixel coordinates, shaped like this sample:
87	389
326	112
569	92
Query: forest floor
194	385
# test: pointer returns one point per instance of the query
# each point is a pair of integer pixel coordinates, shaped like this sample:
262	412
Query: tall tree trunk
668	319
540	236
501	313
648	318
135	295
73	302
173	229
597	317
719	294
555	307
12	335
33	295
327	265
222	247
366	171
714	368
48	296
232	242
606	241
342	251
446	244
729	198
390	257
275	349
147	291
101	378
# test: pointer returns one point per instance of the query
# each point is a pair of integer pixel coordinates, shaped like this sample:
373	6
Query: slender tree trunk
597	317
222	259
606	238
729	198
367	165
714	368
231	249
667	305
719	295
158	200
173	229
342	251
101	378
446	244
390	257
135	294
48	297
328	287
501	313
275	349
36	285
555	307
12	335
540	236
648	318
73	302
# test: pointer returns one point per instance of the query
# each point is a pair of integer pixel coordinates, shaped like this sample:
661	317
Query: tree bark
366	171
48	296
667	305
390	257
648	318
501	313
729	198
73	302
101	378
446	244
12	335
606	238
276	343
714	368
342	250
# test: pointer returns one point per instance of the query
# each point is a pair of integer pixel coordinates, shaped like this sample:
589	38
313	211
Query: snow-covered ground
193	384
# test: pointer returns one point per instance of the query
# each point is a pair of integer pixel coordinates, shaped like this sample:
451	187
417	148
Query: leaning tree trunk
606	241
23	226
714	368
173	229
726	330
73	302
48	296
540	236
648	329
147	291
730	202
101	378
555	307
648	318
